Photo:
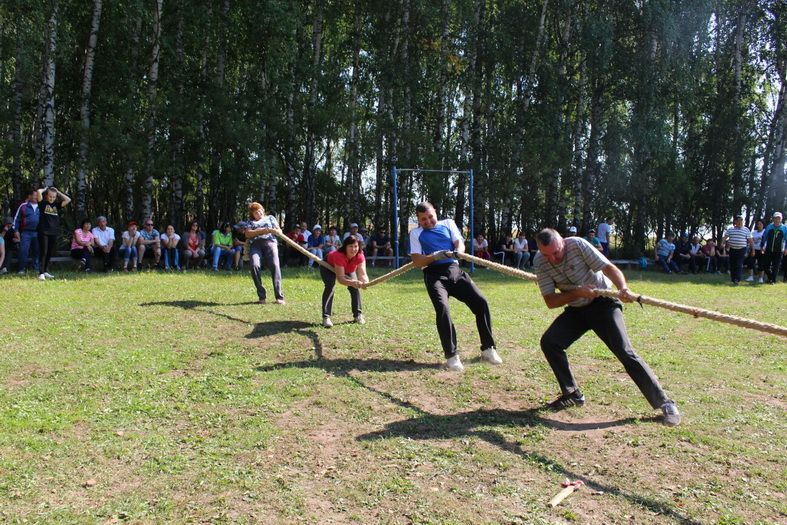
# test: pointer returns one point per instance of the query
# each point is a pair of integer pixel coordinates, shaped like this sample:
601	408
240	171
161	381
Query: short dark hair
546	236
738	218
423	207
83	222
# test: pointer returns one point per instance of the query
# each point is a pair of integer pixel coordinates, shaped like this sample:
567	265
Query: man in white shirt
602	234
105	243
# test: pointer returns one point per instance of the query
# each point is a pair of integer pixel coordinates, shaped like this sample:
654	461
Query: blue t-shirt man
442	236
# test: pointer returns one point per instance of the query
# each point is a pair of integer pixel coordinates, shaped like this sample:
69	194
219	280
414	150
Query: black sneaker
575	398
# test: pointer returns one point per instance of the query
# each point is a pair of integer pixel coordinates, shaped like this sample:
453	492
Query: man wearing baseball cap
354	231
572	231
774	247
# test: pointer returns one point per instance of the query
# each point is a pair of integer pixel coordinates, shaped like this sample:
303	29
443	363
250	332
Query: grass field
175	398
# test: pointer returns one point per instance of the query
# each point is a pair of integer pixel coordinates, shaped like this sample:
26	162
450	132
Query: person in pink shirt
82	246
349	265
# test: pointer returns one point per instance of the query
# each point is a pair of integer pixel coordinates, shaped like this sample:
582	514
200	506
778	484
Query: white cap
778	214
353	225
317	227
573	229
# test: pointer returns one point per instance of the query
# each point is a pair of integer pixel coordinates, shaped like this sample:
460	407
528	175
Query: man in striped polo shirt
570	271
740	239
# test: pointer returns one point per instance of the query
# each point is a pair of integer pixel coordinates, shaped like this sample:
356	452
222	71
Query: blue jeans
218	253
128	253
669	267
171	253
28	240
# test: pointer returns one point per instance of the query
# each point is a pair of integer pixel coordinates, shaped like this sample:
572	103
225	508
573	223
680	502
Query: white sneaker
360	319
454	364
759	280
326	322
750	279
490	356
41	277
48	275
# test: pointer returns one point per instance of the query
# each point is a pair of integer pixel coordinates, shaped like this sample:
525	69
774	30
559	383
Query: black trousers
329	280
605	317
448	280
773	261
107	258
46	247
737	255
83	253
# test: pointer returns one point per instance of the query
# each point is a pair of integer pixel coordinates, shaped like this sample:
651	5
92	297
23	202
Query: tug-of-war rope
513	272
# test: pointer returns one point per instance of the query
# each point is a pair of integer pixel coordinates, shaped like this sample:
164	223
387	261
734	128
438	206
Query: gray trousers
605	317
266	251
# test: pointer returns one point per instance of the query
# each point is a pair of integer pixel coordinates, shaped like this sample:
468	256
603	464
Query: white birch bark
49	107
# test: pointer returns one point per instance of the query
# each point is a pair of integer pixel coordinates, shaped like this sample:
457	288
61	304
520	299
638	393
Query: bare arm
619	280
558	299
343	279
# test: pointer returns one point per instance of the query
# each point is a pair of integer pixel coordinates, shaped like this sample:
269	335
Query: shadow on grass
477	424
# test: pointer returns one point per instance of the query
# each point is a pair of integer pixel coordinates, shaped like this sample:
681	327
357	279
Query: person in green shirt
222	246
592	239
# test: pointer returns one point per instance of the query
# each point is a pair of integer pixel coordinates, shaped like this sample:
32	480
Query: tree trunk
309	161
49	108
84	113
147	189
16	133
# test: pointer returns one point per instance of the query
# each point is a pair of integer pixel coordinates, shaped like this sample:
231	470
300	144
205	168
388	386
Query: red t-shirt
337	258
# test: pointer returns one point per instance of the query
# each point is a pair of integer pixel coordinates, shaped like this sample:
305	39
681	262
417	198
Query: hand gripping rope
513	272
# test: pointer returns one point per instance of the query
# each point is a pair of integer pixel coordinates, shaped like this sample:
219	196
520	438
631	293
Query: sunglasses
149	224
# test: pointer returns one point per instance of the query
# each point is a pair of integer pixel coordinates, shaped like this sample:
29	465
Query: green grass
176	398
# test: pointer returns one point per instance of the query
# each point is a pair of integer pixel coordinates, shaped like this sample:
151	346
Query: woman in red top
349	266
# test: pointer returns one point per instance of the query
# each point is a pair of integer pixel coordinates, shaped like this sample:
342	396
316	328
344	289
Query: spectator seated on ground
316	243
697	261
149	243
332	241
506	250
221	247
482	248
169	245
128	246
521	253
665	252
82	242
722	256
381	246
194	249
592	239
643	261
682	255
238	244
104	243
294	257
709	251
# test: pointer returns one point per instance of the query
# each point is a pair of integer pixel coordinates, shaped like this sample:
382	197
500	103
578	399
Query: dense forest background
664	114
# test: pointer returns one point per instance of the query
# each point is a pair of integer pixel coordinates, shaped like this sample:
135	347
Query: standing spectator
570	272
697	260
723	256
222	246
169	245
521	253
263	249
665	251
349	268
381	242
740	239
332	241
105	243
592	239
128	246
315	243
194	252
773	246
52	203
482	247
82	243
603	232
758	257
26	224
149	241
10	242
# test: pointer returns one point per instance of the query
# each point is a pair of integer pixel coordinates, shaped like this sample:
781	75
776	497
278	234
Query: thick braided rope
642	299
390	275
